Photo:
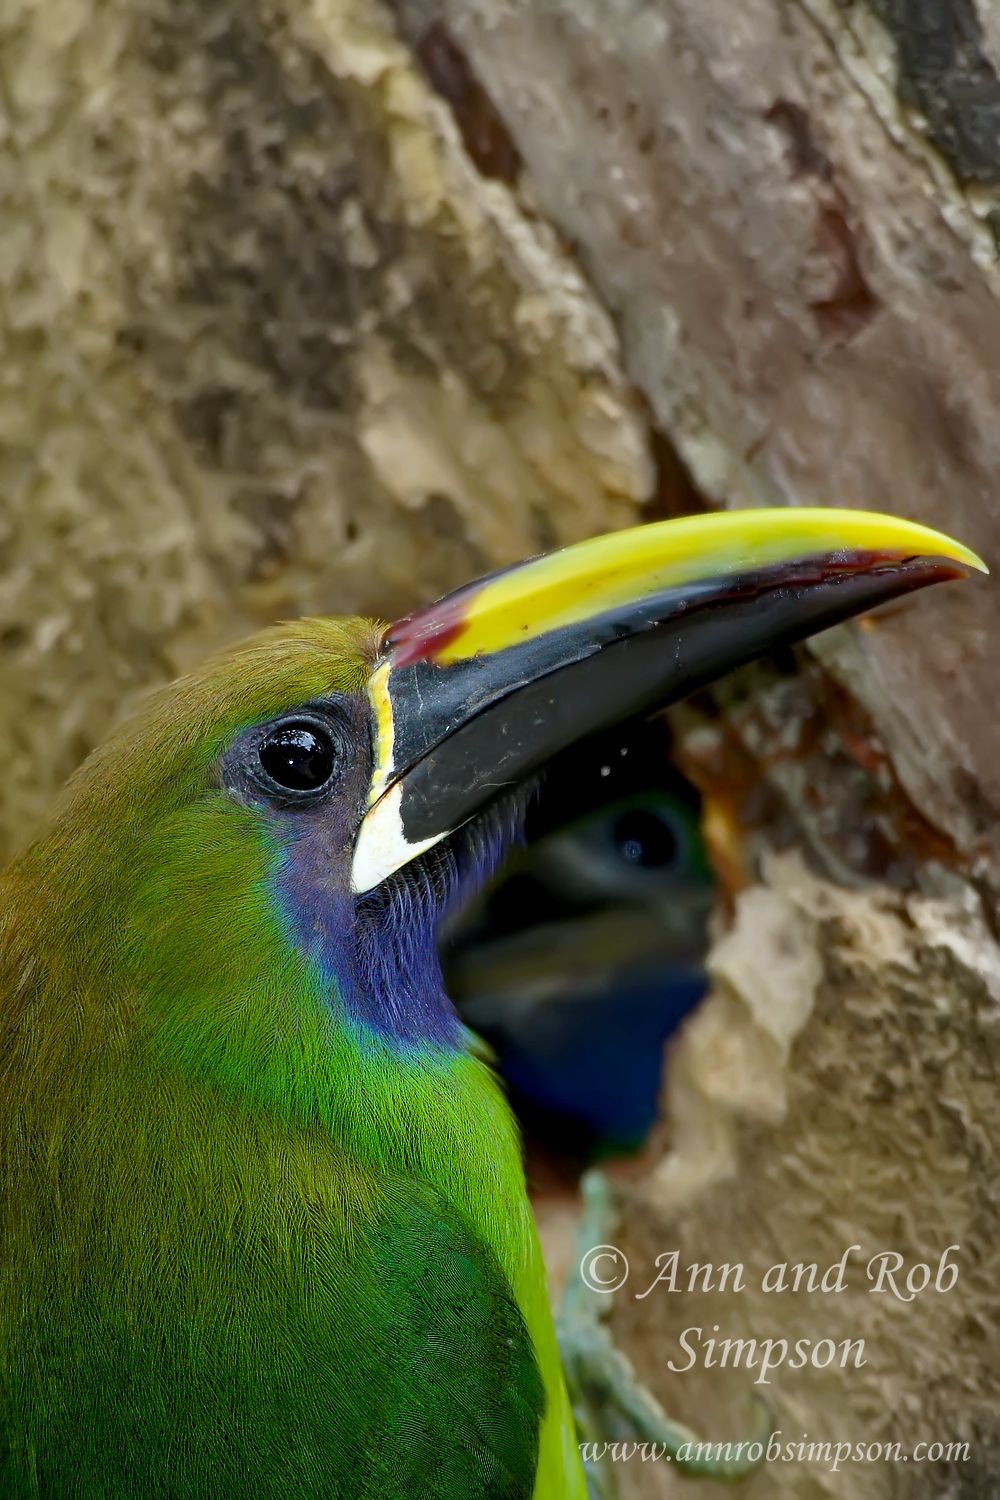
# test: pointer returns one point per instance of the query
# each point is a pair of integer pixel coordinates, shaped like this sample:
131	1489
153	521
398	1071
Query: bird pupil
297	757
645	839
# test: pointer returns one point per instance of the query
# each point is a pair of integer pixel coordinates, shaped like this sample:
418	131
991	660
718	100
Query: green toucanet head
294	816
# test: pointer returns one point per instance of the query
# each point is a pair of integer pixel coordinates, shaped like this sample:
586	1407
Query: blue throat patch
377	953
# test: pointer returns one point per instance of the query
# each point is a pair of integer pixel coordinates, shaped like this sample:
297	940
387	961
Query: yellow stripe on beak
608	572
477	692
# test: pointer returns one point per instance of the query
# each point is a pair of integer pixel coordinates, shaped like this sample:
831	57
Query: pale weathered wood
269	347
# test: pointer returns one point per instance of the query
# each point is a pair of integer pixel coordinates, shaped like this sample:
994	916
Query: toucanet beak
477	692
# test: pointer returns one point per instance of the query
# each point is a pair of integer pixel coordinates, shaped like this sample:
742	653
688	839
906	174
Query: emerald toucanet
263	1222
582	959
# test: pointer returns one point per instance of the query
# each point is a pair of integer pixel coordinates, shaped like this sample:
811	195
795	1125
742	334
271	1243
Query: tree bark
327	306
271	347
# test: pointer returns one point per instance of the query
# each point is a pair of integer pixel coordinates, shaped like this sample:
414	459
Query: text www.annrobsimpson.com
777	1449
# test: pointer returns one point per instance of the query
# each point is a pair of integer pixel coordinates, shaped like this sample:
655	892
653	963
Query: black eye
644	838
299	757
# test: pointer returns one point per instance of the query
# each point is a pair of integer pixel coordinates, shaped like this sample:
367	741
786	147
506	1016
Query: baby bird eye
299	757
645	838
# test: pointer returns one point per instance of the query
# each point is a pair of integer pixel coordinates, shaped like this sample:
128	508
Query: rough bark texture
271	347
325	306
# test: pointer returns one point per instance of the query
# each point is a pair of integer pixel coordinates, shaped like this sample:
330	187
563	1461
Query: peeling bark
270	346
327	306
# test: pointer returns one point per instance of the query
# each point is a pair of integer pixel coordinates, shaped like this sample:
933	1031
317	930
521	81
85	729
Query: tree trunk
327	306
